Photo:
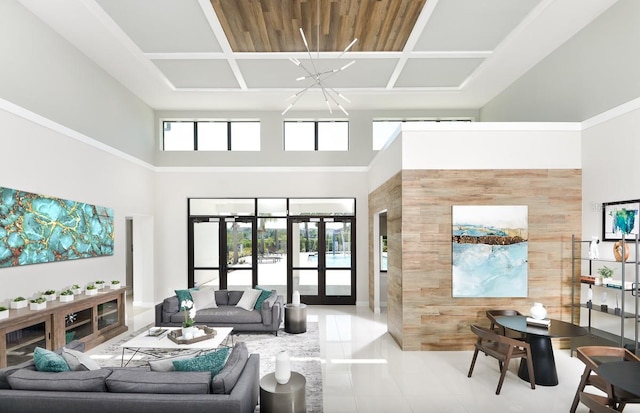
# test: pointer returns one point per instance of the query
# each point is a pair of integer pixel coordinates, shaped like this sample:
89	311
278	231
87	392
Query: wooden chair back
502	348
593	357
492	314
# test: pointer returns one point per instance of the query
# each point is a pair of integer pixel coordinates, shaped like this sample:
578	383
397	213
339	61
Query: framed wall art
620	218
490	249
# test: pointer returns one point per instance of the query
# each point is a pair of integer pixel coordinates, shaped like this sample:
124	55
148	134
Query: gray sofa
267	319
134	389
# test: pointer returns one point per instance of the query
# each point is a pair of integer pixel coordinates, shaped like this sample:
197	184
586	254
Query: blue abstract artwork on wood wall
490	248
37	229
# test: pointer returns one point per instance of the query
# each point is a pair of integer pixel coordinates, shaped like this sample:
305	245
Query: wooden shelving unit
91	319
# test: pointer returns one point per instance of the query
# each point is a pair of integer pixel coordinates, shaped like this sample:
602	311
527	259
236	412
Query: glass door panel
306	282
206	253
338	244
21	343
210	278
272	254
239	270
78	325
206	240
338	283
239	245
107	314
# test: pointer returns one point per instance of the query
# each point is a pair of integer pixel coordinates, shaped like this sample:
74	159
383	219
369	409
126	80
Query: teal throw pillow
47	360
213	362
264	294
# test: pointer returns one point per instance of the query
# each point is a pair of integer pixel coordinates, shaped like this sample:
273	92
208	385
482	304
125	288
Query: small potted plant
606	273
76	289
50	295
91	289
115	284
66	296
4	313
39	303
18	302
100	284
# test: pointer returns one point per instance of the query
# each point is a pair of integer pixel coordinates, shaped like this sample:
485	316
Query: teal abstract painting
37	229
490	249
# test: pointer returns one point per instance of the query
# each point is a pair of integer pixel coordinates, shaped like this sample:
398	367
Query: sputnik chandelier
318	78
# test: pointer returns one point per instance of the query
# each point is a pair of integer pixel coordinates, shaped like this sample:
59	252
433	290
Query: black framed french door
320	262
222	252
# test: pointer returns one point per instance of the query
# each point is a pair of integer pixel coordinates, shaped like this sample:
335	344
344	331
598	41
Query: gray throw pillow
166	364
78	361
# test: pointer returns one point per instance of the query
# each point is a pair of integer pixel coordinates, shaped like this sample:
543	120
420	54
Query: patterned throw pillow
213	362
47	360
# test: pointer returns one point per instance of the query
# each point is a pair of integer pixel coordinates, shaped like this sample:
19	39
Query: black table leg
544	363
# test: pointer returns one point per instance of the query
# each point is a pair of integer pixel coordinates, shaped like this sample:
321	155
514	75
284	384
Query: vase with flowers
188	328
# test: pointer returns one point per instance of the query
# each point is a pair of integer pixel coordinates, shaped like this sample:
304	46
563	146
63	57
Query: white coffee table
144	343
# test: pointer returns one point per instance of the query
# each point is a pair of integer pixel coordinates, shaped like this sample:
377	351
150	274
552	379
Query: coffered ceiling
237	54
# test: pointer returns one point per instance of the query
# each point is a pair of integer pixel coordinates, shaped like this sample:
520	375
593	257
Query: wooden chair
592	357
596	404
503	349
492	314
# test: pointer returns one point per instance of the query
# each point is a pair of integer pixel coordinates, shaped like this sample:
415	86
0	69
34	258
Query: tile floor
364	370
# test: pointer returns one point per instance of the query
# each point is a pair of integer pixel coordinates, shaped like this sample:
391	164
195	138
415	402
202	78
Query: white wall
42	160
508	145
42	72
592	72
174	186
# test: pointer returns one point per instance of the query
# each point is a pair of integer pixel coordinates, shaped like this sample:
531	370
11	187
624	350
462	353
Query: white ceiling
173	54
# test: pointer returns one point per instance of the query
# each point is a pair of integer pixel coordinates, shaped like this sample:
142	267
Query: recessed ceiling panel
472	25
282	73
198	73
273	25
163	26
436	72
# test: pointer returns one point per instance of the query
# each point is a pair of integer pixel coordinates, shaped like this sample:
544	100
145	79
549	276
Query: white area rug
303	349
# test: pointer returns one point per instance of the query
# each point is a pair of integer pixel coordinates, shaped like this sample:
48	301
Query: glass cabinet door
21	343
78	325
108	314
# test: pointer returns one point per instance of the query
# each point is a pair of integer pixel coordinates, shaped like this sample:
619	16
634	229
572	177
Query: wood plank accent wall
420	289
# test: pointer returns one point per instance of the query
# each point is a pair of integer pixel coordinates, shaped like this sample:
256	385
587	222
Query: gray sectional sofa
134	389
266	319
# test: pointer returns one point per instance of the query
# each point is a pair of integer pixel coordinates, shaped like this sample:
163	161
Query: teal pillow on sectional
182	296
264	294
213	362
47	360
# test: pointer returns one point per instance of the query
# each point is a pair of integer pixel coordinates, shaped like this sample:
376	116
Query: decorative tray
176	335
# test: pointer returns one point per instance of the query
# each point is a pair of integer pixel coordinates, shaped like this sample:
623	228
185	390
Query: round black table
539	338
624	375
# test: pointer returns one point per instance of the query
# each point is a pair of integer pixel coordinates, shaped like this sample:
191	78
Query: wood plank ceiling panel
273	25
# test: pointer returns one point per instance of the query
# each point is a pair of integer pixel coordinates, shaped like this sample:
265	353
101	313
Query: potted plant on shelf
115	284
606	273
50	295
18	302
39	303
91	289
100	284
76	289
66	296
4	313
